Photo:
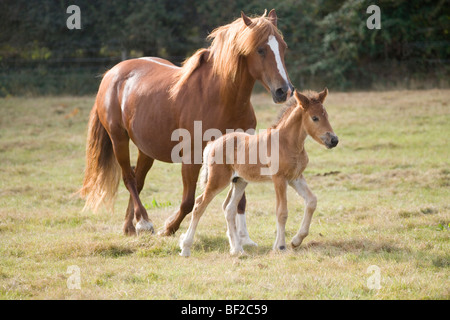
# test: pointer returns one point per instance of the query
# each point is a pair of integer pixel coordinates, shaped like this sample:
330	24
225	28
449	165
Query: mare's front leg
310	205
189	173
281	212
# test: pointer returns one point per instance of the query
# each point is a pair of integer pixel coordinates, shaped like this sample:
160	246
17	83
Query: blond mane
229	44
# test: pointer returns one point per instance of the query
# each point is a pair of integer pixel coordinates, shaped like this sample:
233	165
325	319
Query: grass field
383	199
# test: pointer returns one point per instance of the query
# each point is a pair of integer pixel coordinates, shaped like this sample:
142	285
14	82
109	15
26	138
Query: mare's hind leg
230	208
189	174
121	141
143	165
310	205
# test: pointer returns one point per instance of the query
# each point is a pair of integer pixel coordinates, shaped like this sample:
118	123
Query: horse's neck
235	95
292	133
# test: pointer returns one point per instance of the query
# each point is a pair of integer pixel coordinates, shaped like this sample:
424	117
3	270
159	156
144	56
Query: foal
304	116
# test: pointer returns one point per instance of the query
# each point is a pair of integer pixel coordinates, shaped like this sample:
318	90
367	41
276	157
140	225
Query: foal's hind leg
143	165
310	205
187	239
217	181
241	224
230	208
120	141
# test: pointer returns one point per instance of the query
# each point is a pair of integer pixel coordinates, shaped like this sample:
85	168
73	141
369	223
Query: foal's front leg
282	213
310	205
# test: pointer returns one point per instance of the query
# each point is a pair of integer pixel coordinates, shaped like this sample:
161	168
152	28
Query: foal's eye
315	119
261	51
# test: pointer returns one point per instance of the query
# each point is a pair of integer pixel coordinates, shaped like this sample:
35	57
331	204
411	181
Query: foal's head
315	117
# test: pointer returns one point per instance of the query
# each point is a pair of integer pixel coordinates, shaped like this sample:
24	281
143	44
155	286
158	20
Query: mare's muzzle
281	94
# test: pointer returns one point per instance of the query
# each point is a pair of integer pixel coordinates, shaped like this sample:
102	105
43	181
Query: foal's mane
229	44
313	97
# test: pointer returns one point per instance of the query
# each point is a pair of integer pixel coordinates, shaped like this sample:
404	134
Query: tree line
329	42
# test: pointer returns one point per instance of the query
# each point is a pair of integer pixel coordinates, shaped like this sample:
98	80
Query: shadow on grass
220	244
113	251
361	248
211	243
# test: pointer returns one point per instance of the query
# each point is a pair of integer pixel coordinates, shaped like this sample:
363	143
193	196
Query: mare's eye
261	51
315	119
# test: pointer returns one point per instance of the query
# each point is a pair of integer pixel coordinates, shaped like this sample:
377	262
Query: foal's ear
323	95
246	19
302	100
273	17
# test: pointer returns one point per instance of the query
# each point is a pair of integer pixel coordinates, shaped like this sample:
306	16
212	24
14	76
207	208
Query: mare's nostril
279	92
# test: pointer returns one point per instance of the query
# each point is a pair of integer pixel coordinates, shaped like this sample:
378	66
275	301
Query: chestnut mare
147	99
305	116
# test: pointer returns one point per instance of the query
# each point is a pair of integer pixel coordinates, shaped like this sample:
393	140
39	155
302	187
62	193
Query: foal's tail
102	174
204	172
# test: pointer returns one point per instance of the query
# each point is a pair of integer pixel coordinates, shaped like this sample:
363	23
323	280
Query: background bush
329	43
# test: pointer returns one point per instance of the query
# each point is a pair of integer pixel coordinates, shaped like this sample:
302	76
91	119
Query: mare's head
258	43
315	117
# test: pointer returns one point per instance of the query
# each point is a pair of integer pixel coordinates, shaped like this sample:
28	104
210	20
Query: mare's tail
102	173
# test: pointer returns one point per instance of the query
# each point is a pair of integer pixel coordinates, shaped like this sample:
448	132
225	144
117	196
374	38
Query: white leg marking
280	241
273	44
144	225
242	231
187	239
230	214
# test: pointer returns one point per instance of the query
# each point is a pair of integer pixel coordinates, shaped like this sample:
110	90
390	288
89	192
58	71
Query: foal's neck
292	132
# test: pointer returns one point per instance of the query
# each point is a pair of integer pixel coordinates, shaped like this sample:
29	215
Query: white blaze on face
273	44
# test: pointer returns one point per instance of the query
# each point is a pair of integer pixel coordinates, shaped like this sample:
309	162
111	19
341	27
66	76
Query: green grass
383	199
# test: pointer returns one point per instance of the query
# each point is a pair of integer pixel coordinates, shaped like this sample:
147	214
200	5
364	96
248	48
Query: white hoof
297	241
144	226
246	241
241	226
186	252
237	251
185	249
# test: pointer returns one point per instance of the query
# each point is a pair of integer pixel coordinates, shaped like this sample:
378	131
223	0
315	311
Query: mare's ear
302	100
246	19
323	95
273	17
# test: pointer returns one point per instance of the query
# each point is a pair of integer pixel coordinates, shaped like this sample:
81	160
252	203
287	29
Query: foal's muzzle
330	140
